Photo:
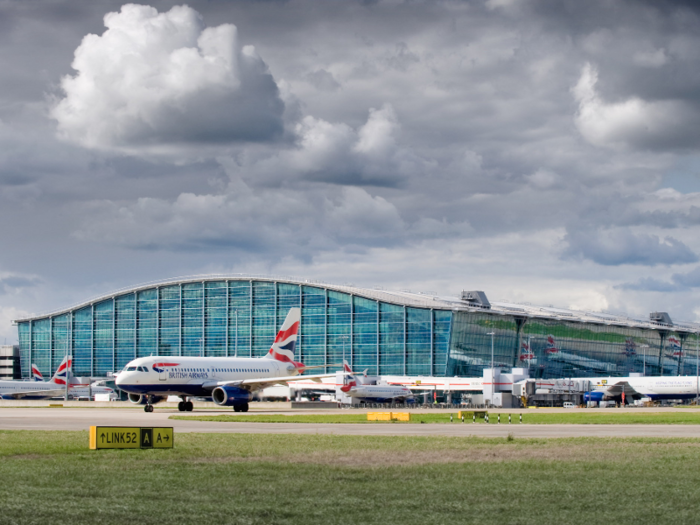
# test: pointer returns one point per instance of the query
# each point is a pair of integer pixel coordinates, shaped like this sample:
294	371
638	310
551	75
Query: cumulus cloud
617	247
154	80
336	153
633	122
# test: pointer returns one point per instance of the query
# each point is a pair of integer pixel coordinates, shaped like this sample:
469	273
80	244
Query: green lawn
605	416
52	477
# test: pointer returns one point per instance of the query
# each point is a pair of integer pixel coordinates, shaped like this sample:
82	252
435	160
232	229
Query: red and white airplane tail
283	347
63	371
36	375
350	380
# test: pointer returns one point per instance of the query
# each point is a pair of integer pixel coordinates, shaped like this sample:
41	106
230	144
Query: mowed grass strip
604	417
51	477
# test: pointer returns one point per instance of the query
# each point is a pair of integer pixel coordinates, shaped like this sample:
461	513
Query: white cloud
336	153
153	81
632	122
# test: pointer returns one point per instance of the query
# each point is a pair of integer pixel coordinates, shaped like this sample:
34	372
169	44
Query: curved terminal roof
402	298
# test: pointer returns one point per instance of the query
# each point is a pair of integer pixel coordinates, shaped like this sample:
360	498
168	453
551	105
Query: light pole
697	369
235	351
492	373
66	369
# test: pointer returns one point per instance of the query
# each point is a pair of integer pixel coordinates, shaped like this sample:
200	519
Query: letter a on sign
146	438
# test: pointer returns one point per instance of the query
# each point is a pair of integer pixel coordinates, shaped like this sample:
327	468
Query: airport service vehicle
229	381
655	388
377	393
37	388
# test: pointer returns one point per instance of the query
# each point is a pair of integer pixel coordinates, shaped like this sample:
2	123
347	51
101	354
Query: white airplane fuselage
40	390
379	393
46	390
657	387
194	376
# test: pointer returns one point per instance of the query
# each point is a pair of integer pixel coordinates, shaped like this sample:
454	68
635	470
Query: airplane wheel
189	406
148	408
244	408
181	406
236	408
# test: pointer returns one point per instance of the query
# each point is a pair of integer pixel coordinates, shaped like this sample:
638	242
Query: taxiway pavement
67	418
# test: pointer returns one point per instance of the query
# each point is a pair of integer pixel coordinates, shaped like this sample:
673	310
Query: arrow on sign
103	437
166	437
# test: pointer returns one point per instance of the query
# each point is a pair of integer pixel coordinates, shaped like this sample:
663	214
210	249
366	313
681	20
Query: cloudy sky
544	152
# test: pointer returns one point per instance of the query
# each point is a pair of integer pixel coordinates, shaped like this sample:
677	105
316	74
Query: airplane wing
622	386
264	382
26	393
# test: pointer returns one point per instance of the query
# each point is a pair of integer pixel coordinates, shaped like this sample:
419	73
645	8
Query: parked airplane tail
283	347
63	371
36	375
351	381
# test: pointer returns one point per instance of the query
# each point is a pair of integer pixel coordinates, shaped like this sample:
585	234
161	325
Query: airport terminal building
388	333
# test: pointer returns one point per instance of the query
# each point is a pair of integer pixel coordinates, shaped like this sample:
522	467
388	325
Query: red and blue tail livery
36	375
63	371
283	347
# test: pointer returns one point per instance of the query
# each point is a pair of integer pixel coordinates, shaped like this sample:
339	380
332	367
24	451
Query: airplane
358	391
56	387
229	381
37	389
656	388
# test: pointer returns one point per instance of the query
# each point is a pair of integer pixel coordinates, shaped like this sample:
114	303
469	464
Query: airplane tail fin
350	377
283	347
36	375
63	371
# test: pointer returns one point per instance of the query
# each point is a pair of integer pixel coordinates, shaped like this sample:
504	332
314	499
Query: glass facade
553	348
240	317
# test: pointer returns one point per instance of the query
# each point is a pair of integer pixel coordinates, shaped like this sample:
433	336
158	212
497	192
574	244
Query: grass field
51	477
590	418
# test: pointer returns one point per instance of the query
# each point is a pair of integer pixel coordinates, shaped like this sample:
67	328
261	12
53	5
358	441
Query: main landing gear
185	406
148	408
241	407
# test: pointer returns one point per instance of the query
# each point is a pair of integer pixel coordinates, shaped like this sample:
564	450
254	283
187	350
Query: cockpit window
142	369
130	368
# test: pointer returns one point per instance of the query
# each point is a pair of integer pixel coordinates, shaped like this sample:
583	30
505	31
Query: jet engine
140	399
593	396
232	396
